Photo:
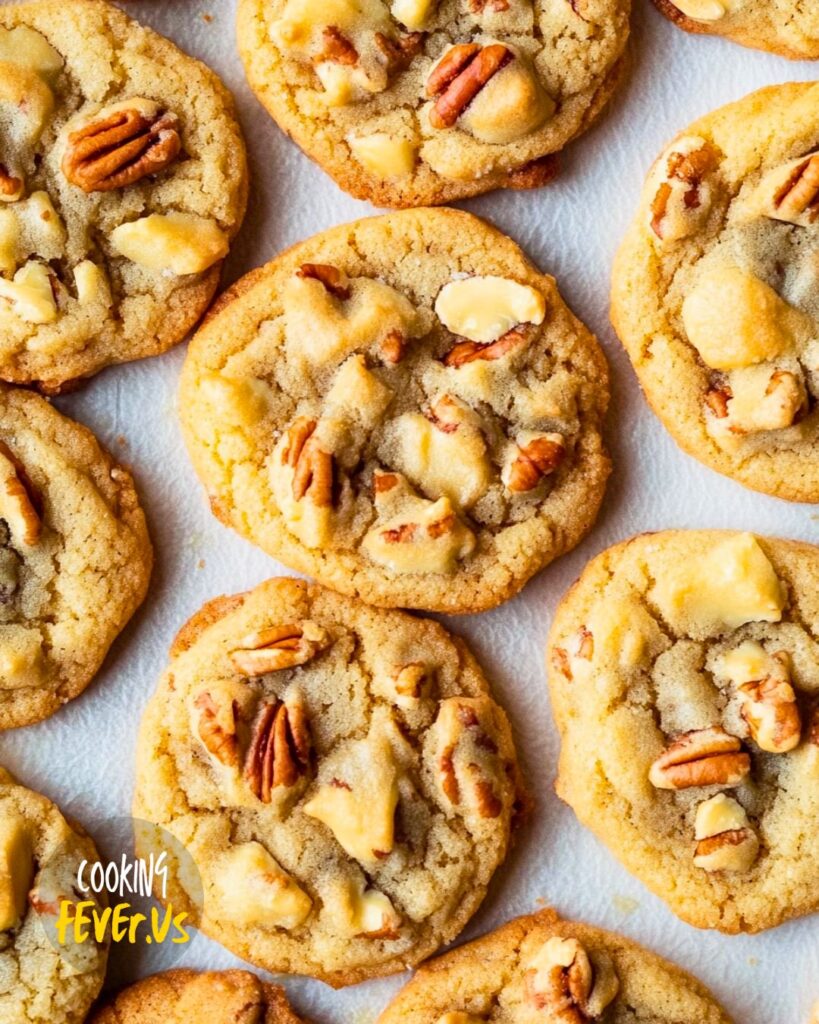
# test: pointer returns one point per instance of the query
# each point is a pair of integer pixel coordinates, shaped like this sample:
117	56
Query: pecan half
279	751
220	740
535	460
312	467
703	757
120	149
332	278
460	76
21	503
770	709
469	351
800	193
277	648
338	48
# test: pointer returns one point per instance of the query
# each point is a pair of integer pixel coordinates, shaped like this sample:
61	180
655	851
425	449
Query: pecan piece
717	399
20	502
279	751
725	839
684	172
278	648
393	348
11	187
120	149
399	53
469	351
562	980
813	727
464	742
495	6
220	740
538	458
770	709
460	76
702	757
800	193
583	648
332	278
312	466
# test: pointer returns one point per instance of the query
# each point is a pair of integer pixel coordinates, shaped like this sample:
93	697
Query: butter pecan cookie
43	982
786	27
541	968
340	775
187	997
75	557
404	408
684	670
414	102
122	183
716	290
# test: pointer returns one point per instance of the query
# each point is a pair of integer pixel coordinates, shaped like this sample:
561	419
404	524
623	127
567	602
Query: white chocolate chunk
253	889
425	537
702	10
366	912
412	13
91	284
16	870
483	309
30	294
511	105
177	242
384	155
27	47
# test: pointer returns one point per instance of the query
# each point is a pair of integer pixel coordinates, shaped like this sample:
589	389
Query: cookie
122	182
786	27
340	775
542	968
417	102
185	997
404	408
684	672
75	557
40	855
716	290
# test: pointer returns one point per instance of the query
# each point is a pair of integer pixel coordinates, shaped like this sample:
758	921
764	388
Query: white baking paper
83	757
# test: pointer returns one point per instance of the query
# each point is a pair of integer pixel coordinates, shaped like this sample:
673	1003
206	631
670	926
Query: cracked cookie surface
684	672
404	408
122	183
716	288
540	967
417	102
340	775
212	997
786	27
40	854
75	557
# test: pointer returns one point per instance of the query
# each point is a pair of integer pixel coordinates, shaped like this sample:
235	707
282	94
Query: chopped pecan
220	740
444	415
535	460
460	725
338	48
688	169
770	709
703	757
559	980
279	752
583	644
460	76
11	187
717	400
120	149
469	351
393	347
495	6
800	193
383	483
399	53
277	648
332	278
312	466
725	839
21	503
813	727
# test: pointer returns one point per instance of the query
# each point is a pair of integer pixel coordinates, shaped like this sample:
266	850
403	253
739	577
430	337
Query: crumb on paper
541	902
122	441
363	1017
207	18
200	564
625	904
753	961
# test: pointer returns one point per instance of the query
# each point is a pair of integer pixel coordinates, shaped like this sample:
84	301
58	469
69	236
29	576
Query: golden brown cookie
716	290
786	27
122	184
75	557
188	997
403	407
684	672
539	969
340	775
416	102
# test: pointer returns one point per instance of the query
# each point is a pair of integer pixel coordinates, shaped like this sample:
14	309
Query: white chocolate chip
483	309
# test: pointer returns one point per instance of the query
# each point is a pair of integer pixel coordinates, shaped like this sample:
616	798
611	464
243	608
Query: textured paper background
83	757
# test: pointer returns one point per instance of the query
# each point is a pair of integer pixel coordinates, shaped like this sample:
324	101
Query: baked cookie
187	997
404	408
716	290
122	183
540	968
75	557
40	856
786	27
340	775
684	671
416	102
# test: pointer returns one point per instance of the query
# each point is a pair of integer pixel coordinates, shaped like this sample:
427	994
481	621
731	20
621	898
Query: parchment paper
83	757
